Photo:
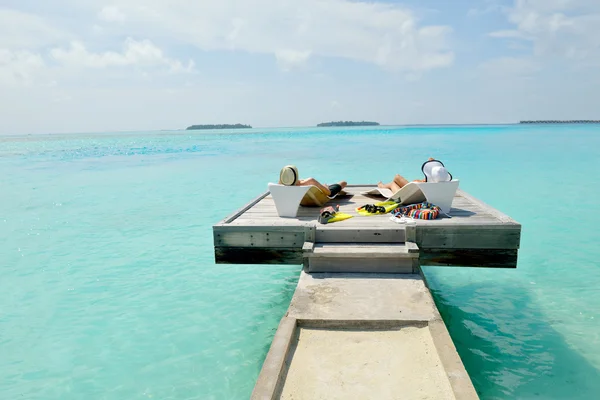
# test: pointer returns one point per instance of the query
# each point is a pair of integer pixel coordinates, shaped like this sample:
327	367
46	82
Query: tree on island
219	126
348	123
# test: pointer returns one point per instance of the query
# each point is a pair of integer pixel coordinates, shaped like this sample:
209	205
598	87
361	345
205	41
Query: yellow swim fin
331	214
387	206
338	216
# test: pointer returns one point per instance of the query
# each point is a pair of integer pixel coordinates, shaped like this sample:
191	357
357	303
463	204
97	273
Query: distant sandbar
219	126
577	121
347	123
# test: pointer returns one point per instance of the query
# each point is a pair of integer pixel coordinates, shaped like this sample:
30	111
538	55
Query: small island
576	121
219	126
348	123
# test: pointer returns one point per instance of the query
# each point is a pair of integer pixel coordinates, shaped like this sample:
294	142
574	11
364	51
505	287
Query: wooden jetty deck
361	295
474	235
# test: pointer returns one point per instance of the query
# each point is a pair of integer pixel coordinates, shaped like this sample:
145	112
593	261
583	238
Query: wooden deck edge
481	258
258	255
491	210
482	237
300	227
243	209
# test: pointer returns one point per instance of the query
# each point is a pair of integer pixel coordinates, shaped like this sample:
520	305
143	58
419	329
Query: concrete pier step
361	257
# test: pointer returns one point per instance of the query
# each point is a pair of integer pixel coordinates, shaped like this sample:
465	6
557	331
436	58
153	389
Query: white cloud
111	14
139	53
488	7
19	30
510	66
290	59
19	68
567	29
384	34
512	34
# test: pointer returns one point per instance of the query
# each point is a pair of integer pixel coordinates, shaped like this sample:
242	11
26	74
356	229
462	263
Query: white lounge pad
440	193
289	198
409	194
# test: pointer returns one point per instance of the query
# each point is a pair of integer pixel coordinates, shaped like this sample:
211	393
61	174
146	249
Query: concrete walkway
362	336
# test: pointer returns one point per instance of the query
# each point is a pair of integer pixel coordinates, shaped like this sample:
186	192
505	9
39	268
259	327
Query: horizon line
523	122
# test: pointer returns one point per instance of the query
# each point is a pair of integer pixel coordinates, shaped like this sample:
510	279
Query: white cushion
440	194
287	198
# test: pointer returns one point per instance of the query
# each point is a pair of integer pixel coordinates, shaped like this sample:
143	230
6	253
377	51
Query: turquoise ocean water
109	290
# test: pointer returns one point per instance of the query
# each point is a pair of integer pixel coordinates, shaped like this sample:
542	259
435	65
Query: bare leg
395	185
400	181
314	182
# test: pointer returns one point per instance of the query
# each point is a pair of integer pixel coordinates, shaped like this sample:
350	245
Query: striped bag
423	210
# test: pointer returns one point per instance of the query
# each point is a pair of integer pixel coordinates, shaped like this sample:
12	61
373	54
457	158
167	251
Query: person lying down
433	170
289	176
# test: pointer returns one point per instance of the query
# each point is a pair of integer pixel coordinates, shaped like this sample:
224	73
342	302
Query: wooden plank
356	198
465	223
274	223
360	220
453	237
261	227
476	233
259	239
271	218
380	223
249	255
356	221
244	208
351	208
461	207
352	234
267	212
491	210
458	204
373	221
484	258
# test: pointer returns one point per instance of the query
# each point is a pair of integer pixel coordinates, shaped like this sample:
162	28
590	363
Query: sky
133	65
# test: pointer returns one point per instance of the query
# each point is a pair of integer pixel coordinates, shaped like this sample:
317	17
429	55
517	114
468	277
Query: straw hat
288	175
435	171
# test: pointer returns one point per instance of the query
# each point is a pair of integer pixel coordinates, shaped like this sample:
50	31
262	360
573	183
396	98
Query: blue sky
103	65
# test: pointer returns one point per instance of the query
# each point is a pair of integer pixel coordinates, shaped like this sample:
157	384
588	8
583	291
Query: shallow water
108	287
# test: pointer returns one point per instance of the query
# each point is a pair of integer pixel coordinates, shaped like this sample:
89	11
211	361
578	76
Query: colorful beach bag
423	210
